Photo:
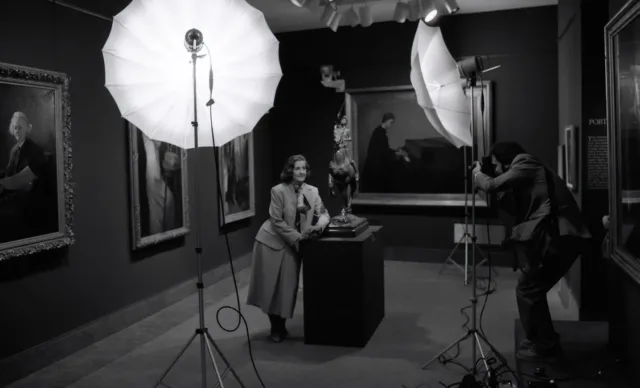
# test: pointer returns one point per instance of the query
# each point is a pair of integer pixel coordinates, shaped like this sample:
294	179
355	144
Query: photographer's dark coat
522	192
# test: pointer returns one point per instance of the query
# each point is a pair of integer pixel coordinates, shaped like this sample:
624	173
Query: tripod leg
493	349
464	337
184	349
449	258
229	367
484	357
213	360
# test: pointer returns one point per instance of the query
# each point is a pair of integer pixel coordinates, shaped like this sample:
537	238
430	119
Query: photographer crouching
548	233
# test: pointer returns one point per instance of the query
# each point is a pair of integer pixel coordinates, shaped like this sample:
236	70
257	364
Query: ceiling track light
299	3
331	17
402	12
451	6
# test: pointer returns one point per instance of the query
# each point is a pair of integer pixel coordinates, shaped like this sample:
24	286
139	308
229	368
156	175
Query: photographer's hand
476	168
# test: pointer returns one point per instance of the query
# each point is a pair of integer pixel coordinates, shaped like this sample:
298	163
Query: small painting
159	190
237	180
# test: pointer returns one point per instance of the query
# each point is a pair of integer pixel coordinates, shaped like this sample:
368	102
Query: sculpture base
347	226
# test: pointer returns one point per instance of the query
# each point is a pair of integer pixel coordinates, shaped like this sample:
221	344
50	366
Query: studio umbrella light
439	89
153	73
451	113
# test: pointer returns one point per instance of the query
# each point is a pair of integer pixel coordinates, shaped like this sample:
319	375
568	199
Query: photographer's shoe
525	344
536	353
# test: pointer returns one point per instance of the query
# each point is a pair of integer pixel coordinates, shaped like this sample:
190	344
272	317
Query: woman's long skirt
274	280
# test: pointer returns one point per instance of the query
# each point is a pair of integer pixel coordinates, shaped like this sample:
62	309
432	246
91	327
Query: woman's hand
311	232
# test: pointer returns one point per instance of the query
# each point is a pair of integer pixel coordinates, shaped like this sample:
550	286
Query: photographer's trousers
544	265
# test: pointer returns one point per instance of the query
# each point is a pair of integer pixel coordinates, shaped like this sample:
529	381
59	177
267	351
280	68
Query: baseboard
499	256
20	365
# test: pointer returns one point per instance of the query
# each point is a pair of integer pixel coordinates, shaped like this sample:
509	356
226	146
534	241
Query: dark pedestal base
343	289
351	228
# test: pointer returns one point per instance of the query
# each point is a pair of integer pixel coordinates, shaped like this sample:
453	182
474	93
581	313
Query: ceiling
283	16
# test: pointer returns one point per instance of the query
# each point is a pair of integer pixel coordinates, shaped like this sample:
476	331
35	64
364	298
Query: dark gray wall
525	95
46	295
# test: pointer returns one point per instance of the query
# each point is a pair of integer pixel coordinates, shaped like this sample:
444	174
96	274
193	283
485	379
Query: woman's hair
286	175
506	151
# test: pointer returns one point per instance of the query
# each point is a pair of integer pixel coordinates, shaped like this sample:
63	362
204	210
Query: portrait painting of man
32	166
235	162
159	184
400	154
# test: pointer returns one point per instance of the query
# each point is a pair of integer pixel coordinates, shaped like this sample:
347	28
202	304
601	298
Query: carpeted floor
422	318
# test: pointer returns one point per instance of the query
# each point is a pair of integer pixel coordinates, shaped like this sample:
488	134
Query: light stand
194	43
473	332
466	237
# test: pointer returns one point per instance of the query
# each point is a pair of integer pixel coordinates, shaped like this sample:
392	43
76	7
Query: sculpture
343	182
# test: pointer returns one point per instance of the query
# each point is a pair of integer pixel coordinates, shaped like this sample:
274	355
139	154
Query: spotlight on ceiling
402	12
450	5
299	3
431	15
366	18
429	12
331	17
350	17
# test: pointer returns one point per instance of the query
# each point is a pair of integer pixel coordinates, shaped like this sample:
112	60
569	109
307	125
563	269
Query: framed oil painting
237	179
572	144
158	189
36	191
429	170
622	39
562	162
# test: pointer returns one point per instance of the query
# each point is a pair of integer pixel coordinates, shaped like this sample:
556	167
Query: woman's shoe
276	337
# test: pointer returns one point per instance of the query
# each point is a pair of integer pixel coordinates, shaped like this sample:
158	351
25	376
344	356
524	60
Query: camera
486	166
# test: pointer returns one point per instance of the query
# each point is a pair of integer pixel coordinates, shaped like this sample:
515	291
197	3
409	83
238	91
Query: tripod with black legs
194	42
473	331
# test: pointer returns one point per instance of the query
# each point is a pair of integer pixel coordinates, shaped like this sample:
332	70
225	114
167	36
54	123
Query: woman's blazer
279	230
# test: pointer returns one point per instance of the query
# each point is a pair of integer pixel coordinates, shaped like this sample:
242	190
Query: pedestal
343	288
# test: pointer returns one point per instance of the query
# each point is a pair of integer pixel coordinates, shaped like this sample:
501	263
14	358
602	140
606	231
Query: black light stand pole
465	236
193	43
473	332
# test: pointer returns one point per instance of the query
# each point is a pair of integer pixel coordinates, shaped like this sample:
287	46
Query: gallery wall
525	97
582	103
46	295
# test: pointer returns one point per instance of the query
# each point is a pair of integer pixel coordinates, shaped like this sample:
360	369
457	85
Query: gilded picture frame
237	180
159	190
40	216
572	157
623	118
419	125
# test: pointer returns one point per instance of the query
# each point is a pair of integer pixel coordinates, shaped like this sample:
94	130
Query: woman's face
299	171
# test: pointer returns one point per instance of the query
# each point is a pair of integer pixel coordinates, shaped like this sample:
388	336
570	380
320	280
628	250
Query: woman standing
275	271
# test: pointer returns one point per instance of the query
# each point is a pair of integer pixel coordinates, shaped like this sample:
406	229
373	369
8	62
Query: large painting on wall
623	119
159	190
425	169
36	194
237	179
